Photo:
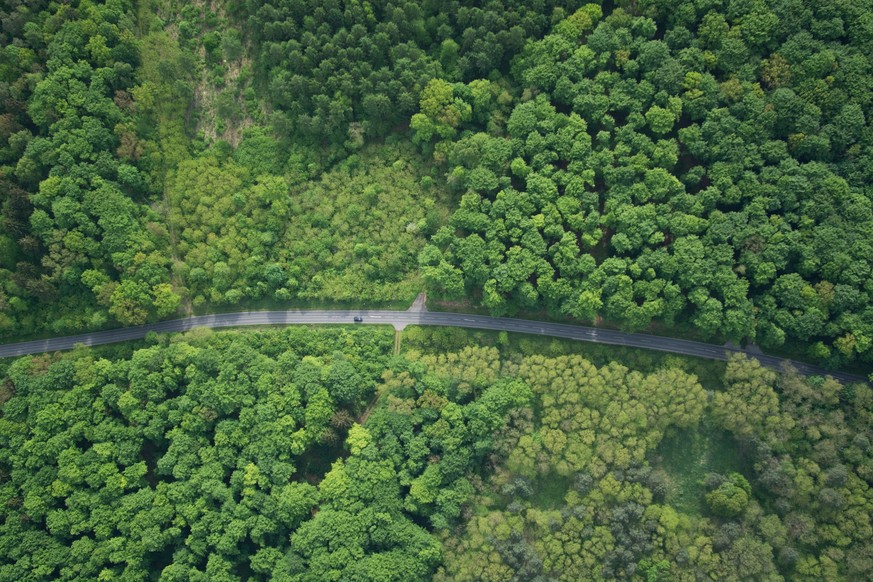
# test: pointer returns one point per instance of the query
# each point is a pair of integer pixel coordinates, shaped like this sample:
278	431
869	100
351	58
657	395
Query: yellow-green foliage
601	418
351	235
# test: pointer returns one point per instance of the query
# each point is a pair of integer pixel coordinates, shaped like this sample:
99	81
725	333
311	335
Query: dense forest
318	454
702	167
711	170
75	178
697	168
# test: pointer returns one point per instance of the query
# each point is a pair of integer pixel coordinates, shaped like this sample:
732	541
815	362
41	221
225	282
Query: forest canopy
695	168
318	454
692	166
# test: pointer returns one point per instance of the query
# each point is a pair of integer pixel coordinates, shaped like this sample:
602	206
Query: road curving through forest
401	319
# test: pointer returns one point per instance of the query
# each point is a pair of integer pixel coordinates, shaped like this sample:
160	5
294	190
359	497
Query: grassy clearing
687	455
549	491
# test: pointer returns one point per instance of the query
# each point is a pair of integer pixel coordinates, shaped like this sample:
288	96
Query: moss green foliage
672	161
802	513
427	339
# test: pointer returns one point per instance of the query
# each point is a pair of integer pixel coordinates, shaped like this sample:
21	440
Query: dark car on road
358	319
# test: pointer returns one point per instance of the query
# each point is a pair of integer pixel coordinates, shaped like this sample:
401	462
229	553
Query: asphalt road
400	319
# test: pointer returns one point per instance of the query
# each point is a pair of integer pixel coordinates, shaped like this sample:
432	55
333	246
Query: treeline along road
401	319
